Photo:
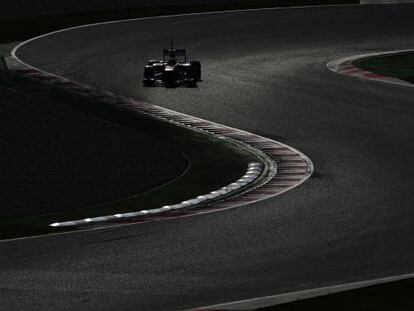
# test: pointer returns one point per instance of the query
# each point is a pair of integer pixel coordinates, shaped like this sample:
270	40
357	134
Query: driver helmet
172	62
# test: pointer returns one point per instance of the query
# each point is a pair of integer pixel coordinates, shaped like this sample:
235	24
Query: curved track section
281	168
346	66
264	72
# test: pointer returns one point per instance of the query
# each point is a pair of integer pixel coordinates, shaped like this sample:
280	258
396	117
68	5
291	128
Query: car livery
173	70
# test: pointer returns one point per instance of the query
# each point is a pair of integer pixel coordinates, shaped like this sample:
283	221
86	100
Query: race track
264	72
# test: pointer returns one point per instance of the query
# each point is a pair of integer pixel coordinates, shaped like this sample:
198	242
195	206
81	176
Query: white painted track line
268	301
13	53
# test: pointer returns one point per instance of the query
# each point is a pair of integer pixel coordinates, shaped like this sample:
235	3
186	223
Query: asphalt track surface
265	72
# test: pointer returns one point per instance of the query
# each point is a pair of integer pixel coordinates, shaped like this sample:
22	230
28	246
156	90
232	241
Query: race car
173	70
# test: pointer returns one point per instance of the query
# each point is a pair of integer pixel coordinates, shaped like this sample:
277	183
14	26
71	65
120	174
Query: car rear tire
149	83
196	67
192	84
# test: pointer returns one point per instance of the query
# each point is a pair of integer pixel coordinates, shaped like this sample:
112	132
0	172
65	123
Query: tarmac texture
264	72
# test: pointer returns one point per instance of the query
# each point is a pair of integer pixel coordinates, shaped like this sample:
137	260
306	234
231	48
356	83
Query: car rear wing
175	53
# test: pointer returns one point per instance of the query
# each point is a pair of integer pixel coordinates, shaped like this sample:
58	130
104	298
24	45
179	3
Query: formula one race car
173	70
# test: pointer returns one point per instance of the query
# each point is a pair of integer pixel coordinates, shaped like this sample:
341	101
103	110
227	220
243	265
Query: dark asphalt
265	72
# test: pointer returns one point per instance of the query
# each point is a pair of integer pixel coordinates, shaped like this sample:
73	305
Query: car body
173	70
